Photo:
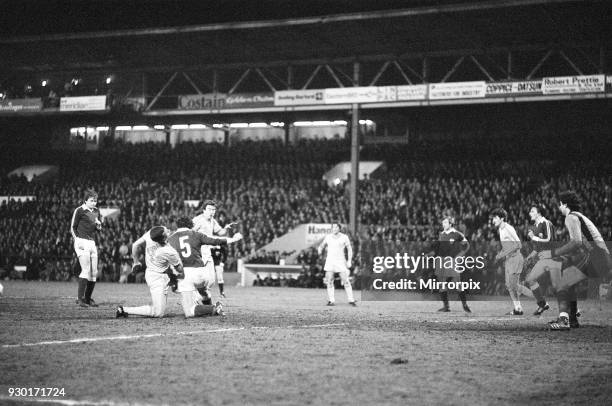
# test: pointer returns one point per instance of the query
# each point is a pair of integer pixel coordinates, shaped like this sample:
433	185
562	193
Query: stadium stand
271	187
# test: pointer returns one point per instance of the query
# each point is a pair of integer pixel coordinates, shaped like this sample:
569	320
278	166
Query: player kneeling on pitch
336	262
584	256
188	243
163	266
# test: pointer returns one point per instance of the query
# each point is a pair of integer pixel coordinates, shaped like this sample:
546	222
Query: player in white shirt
337	262
511	254
206	224
160	259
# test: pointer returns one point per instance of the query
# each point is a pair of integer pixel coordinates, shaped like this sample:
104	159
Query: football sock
349	291
573	309
539	297
462	297
514	296
330	291
562	298
221	288
444	297
572	294
146	311
81	289
89	290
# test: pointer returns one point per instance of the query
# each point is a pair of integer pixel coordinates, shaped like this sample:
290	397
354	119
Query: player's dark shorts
219	255
599	263
583	261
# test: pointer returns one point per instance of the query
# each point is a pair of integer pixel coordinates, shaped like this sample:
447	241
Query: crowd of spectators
270	188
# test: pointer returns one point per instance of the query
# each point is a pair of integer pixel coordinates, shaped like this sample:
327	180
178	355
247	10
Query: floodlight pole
354	186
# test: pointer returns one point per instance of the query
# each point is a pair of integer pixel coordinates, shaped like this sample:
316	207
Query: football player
188	244
206	224
511	255
336	262
161	259
86	220
584	256
542	236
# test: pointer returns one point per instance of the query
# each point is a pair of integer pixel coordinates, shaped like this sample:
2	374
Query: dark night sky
36	17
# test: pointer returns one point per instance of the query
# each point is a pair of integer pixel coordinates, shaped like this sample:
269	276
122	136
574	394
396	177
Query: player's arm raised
223	231
219	241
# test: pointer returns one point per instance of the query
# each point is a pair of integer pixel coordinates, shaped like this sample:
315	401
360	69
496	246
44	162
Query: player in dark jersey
542	236
451	243
86	220
188	244
584	256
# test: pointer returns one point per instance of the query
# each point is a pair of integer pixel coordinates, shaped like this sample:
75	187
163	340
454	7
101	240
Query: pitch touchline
180	333
70	402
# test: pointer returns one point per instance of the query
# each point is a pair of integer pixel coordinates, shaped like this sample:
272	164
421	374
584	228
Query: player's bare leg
219	274
444	297
84	276
539	269
564	284
329	281
91	281
512	281
463	299
348	288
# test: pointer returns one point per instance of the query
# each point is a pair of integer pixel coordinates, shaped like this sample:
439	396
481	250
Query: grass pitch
283	346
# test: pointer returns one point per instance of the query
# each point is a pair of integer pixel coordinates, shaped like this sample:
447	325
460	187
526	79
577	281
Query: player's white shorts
196	278
514	263
336	266
84	247
157	282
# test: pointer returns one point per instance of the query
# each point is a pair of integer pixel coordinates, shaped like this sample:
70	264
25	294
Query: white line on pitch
319	325
70	402
483	319
132	337
180	333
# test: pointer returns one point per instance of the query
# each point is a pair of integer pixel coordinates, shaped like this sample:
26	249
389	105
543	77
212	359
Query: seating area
270	188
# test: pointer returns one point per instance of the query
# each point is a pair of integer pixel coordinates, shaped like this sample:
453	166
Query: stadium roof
116	36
